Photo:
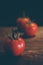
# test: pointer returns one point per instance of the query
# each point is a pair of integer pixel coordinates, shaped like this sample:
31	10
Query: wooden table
33	54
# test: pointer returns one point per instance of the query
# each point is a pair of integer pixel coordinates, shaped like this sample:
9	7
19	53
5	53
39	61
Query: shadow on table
26	37
12	60
9	59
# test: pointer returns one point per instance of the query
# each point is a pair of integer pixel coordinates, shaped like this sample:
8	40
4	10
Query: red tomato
15	44
31	29
22	21
18	46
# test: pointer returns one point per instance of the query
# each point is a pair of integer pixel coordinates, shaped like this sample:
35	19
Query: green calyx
23	14
15	34
29	22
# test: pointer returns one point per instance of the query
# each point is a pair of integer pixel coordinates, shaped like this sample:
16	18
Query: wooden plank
34	43
33	54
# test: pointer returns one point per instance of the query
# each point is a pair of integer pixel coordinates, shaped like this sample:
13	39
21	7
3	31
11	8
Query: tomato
15	44
18	46
31	29
21	22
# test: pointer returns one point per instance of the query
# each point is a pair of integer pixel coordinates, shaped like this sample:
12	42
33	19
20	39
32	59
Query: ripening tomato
18	46
15	44
22	21
31	28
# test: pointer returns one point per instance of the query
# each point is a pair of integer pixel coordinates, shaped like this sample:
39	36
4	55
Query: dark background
11	10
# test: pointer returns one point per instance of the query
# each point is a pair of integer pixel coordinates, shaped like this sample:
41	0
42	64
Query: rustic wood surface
33	54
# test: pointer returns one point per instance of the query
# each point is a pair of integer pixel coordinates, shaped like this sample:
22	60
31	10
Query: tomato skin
18	46
21	22
31	29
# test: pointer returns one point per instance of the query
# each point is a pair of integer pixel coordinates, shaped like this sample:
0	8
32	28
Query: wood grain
34	43
33	54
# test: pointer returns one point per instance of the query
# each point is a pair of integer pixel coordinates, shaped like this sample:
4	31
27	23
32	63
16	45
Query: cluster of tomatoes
27	26
14	42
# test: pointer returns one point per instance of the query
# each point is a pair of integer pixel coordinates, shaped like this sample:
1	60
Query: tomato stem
12	33
15	34
18	35
9	36
29	22
23	14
